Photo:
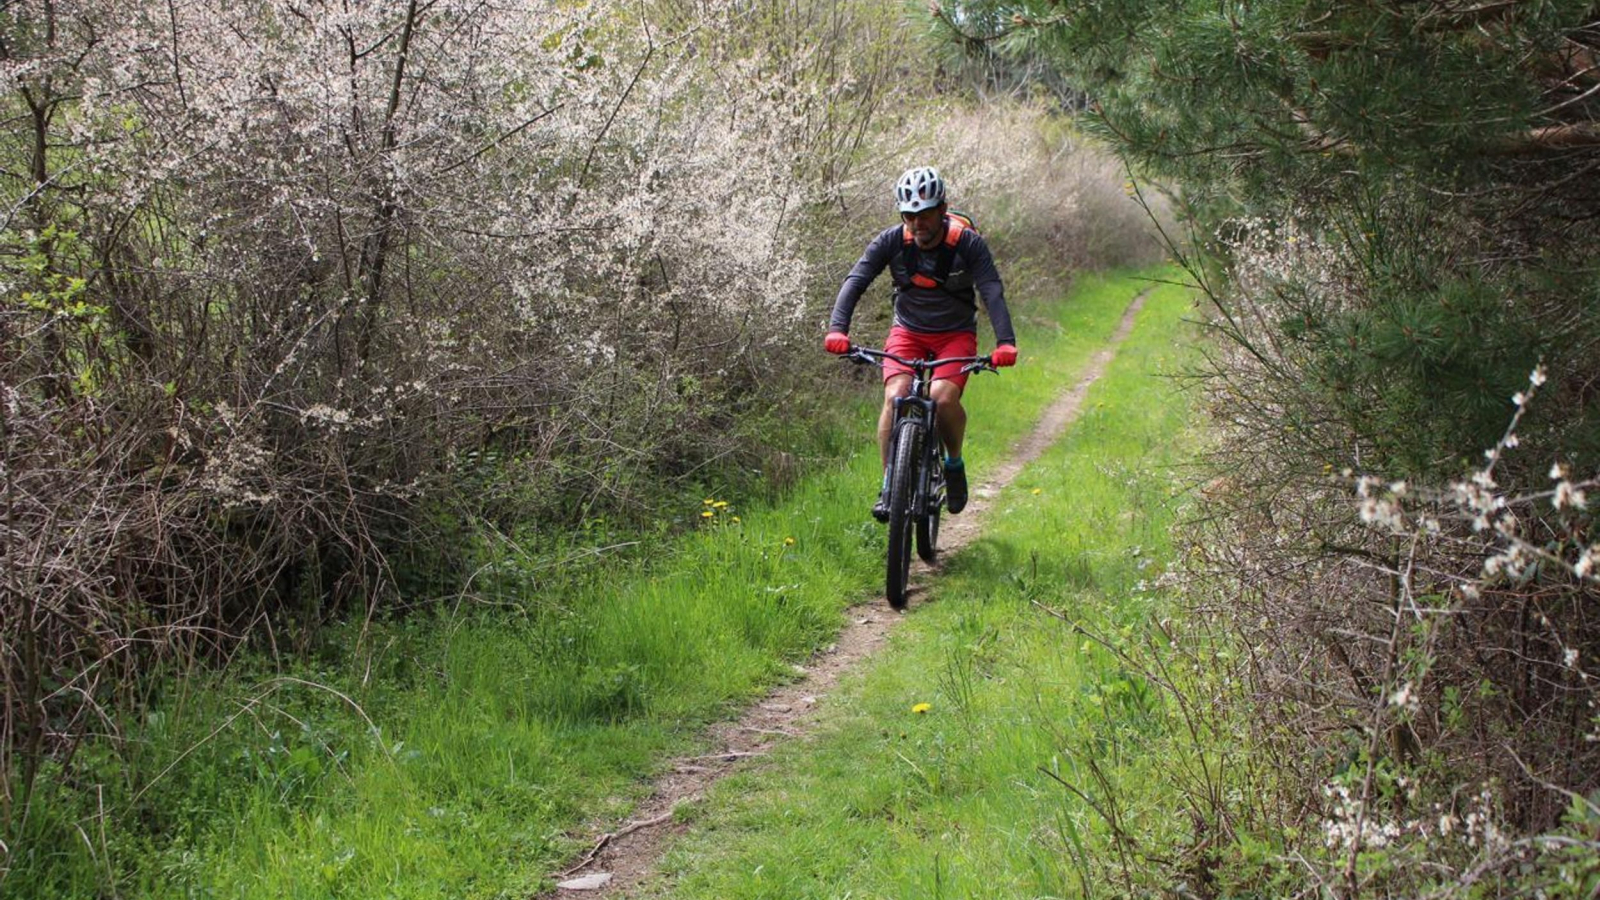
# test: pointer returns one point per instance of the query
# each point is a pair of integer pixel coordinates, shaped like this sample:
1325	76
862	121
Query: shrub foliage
1394	211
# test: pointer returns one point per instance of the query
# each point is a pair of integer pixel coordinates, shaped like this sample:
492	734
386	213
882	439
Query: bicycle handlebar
868	356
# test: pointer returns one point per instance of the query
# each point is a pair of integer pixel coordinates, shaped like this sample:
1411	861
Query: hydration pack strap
910	254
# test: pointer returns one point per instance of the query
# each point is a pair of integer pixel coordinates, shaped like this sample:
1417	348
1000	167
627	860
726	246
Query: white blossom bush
300	296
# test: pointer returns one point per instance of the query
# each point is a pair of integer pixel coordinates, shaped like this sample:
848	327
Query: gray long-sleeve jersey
950	307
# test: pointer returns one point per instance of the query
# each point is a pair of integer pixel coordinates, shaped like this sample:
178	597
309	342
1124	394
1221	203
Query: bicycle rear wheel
906	460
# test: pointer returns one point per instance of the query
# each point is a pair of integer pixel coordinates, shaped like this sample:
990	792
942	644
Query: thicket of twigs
305	303
1398	541
1410	640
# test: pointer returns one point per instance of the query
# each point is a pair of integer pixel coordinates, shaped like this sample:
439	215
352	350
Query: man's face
927	227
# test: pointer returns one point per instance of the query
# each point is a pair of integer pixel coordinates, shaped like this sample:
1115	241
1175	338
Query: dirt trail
622	858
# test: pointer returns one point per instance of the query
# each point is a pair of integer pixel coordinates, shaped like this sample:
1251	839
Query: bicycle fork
926	497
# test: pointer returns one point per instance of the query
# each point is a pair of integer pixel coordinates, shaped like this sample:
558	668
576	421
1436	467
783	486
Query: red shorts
925	345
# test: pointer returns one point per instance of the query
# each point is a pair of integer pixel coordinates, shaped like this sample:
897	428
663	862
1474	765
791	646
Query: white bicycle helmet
919	189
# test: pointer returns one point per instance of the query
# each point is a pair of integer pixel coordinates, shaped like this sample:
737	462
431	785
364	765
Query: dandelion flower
922	708
788	542
736	520
708	501
707	514
1038	491
720	504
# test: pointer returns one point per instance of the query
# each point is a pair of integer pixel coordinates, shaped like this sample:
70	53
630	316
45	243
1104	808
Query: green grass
456	754
963	800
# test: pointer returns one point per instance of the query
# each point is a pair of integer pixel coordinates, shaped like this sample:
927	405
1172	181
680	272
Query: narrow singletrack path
623	856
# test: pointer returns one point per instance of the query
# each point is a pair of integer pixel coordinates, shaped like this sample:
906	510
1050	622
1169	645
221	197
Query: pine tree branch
1553	137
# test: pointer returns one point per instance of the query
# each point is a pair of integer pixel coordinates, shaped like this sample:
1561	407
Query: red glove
1004	355
836	342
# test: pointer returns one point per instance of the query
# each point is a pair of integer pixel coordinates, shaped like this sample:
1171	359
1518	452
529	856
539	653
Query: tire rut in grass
621	858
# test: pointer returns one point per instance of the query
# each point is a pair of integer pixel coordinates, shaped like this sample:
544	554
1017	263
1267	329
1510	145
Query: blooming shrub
298	295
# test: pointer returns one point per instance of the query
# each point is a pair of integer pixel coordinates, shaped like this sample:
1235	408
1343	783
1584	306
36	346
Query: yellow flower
735	520
921	708
720	504
708	501
707	514
788	542
1038	491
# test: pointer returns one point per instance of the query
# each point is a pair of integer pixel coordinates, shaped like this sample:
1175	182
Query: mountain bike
916	468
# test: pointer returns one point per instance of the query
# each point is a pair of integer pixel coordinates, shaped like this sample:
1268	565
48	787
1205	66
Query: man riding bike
939	264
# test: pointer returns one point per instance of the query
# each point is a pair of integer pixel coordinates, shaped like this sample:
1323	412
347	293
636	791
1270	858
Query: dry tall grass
1038	189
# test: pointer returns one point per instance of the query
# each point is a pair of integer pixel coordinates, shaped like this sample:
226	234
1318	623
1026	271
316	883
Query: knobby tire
902	497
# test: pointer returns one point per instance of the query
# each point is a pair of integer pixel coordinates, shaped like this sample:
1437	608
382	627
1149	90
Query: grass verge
1013	780
453	755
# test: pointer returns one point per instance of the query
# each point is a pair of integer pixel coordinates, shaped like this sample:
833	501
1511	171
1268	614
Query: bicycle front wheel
903	480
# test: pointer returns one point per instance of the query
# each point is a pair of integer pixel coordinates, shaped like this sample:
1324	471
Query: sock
885	486
954	462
